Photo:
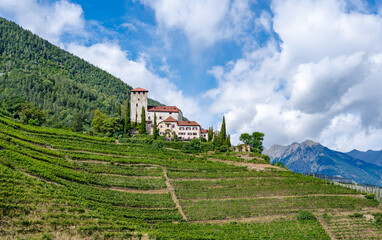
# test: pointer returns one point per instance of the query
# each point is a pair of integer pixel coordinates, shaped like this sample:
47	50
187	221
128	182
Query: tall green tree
155	130
210	134
221	139
104	125
126	126
255	141
228	141
142	127
77	123
99	121
223	131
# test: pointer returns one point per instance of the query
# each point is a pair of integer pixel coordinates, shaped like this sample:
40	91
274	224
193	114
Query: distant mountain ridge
312	157
370	156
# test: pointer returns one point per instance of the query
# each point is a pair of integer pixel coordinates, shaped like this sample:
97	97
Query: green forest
35	72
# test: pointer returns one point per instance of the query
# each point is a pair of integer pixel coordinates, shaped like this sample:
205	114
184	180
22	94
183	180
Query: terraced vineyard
56	184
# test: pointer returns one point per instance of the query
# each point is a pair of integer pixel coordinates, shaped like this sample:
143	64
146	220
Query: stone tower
138	99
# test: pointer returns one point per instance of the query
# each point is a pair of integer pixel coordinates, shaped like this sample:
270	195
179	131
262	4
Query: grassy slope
59	184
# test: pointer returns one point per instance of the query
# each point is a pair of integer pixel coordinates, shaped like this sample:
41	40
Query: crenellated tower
138	99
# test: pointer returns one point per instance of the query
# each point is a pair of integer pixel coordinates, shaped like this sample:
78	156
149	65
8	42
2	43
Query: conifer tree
228	141
127	118
142	127
77	123
155	131
210	134
222	138
223	132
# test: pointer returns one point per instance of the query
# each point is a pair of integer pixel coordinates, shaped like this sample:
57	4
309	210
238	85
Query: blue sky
293	69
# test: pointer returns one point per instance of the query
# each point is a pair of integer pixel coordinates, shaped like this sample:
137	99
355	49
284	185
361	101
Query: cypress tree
127	118
136	119
155	131
142	128
228	141
210	134
223	134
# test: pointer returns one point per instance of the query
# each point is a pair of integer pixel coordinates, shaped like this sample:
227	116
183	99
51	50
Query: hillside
56	184
53	79
311	157
370	156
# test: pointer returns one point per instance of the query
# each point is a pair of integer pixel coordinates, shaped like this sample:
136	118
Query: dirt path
273	197
41	179
97	153
250	166
128	176
269	218
107	162
223	179
173	196
326	227
152	191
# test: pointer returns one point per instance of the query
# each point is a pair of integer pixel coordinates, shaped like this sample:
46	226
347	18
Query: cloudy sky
293	69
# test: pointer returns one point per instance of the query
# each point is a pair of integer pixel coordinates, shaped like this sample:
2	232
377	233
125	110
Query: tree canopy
255	141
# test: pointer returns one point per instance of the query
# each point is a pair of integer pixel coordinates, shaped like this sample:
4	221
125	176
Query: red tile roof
163	109
138	89
188	123
170	119
204	131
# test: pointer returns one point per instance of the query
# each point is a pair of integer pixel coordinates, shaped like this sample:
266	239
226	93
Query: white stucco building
169	118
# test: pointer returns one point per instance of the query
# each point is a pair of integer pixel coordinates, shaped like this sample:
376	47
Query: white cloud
322	82
346	131
110	57
49	21
203	21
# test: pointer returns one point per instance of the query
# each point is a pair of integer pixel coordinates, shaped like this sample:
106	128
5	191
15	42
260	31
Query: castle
169	118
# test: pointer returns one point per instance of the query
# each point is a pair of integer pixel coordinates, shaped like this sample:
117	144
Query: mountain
53	79
370	156
312	157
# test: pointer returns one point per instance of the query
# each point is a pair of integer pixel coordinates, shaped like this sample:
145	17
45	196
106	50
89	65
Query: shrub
223	148
327	217
356	215
306	215
191	147
158	144
378	220
278	164
370	196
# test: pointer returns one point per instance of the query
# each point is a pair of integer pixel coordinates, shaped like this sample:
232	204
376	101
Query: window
188	128
181	128
194	133
139	99
160	126
160	117
149	117
173	125
137	104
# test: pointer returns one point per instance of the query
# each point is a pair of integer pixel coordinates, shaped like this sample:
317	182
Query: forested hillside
53	79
